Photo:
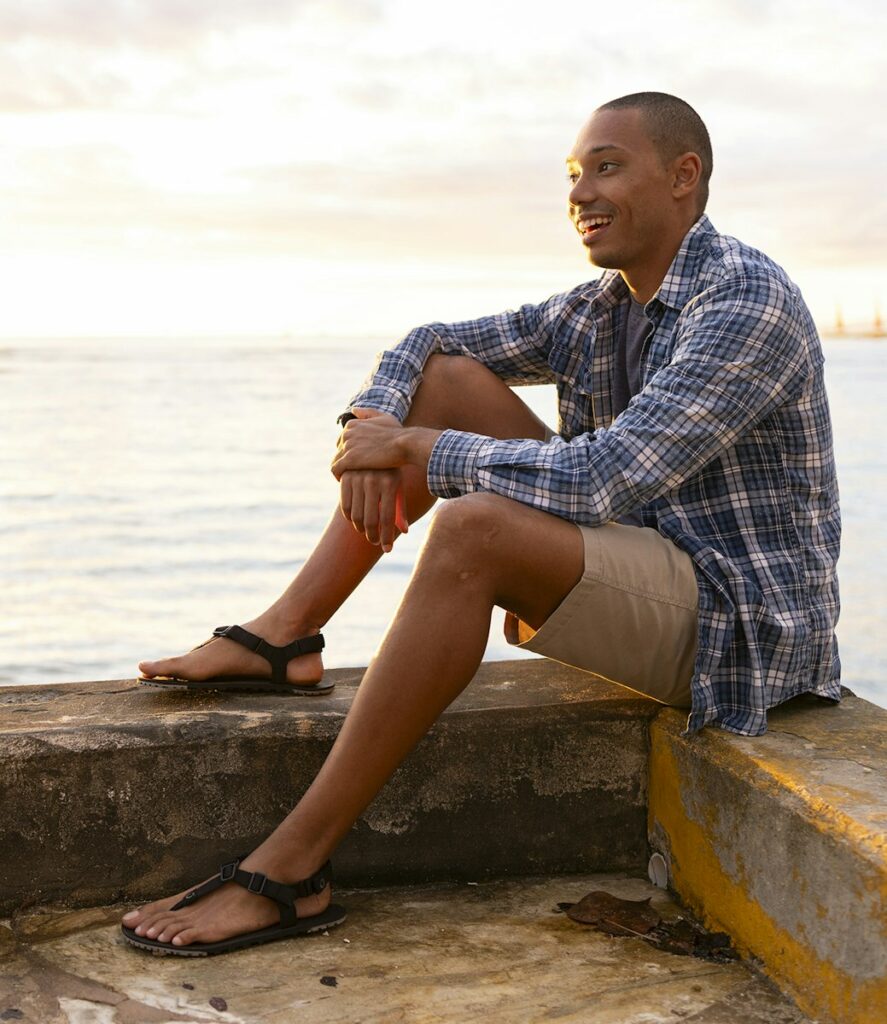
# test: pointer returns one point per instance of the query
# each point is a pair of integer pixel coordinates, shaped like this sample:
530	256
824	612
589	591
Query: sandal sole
238	686
334	915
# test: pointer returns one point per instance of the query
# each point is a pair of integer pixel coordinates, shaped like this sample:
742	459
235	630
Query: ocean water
151	490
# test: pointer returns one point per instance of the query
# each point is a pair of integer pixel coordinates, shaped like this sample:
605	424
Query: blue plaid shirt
726	451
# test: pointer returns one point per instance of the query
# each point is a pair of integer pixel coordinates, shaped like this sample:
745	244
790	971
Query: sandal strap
284	895
226	874
277	657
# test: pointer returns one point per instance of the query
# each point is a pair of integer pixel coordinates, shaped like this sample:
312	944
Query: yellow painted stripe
723	905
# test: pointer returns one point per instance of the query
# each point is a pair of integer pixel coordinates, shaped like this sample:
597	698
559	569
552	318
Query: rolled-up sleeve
739	352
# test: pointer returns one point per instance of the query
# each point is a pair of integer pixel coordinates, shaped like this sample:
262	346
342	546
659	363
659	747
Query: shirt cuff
382	399
453	466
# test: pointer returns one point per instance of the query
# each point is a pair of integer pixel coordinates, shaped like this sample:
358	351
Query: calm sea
151	490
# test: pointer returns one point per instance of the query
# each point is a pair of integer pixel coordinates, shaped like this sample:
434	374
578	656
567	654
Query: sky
322	167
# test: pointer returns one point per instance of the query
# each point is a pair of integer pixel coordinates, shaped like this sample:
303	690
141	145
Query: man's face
621	201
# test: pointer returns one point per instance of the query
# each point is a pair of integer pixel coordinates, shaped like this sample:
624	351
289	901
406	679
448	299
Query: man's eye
606	165
572	177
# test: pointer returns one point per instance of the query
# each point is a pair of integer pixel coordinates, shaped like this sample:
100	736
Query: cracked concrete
496	952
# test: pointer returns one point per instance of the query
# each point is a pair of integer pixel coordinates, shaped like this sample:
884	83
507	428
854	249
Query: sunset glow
356	166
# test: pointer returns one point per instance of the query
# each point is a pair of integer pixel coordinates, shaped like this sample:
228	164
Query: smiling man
678	533
625	153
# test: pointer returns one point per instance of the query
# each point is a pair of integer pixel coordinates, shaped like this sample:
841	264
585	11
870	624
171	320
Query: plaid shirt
726	451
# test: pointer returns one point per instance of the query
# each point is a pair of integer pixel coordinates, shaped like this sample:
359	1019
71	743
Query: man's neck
642	292
644	280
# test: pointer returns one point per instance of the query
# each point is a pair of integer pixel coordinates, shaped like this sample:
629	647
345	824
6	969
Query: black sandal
285	896
277	657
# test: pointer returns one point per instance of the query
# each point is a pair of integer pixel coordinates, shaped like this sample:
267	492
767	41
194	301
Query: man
678	534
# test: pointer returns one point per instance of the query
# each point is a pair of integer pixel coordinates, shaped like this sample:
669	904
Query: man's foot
228	912
222	657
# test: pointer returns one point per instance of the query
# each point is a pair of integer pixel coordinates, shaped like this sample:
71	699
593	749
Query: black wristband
345	418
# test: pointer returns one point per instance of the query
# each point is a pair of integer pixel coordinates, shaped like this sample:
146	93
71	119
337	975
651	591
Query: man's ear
687	172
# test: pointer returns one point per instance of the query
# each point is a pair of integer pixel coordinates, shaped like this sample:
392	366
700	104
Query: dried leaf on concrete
608	913
611	914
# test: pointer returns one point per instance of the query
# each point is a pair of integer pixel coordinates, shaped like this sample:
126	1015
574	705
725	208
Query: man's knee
467	529
461	393
442	371
449	381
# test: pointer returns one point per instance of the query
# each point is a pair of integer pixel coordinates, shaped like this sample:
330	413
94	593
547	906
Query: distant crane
840	330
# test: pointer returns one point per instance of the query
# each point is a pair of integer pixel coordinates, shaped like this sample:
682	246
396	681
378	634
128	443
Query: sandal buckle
256	883
227	871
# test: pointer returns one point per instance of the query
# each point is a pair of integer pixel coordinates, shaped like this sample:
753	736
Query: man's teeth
587	223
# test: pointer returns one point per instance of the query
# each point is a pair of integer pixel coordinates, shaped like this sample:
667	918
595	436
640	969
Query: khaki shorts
631	618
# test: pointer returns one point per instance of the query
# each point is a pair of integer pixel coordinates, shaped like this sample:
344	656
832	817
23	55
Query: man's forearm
417	443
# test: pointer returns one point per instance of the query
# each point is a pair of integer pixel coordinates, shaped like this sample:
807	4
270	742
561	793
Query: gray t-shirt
627	376
627	373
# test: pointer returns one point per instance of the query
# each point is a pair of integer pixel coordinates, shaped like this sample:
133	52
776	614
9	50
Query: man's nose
582	193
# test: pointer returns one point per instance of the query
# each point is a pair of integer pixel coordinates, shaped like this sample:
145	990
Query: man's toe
167	667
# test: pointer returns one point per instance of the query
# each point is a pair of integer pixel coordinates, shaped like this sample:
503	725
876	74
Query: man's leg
456	392
482	550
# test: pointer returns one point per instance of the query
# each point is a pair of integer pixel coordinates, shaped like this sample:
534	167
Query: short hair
674	127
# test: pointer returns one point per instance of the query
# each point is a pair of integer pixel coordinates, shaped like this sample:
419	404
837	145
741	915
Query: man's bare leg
482	550
456	392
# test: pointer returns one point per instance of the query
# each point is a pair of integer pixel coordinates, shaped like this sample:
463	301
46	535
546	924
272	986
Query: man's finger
345	495
371	513
386	518
355	513
400	512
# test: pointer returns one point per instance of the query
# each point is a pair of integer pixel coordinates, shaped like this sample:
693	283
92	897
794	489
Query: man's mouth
590	226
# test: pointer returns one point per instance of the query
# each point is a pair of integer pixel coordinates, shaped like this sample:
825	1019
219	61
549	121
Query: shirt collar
680	282
677	286
609	289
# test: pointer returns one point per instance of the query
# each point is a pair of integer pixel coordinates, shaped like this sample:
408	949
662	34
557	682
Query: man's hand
372	501
373	441
371	451
377	441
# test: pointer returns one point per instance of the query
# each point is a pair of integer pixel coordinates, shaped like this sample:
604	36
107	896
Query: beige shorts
631	618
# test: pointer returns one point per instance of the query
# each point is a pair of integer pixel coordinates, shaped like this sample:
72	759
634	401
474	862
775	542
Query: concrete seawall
115	792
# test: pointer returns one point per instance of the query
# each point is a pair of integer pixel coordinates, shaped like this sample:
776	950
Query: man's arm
513	344
742	350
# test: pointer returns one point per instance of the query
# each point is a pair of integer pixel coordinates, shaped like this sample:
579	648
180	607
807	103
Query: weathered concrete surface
496	952
781	840
113	791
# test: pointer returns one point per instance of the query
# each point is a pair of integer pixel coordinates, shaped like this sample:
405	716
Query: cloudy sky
357	166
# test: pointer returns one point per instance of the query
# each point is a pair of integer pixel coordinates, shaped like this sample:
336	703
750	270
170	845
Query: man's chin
606	261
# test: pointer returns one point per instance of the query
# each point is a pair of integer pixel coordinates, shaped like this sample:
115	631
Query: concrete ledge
781	840
494	952
114	791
